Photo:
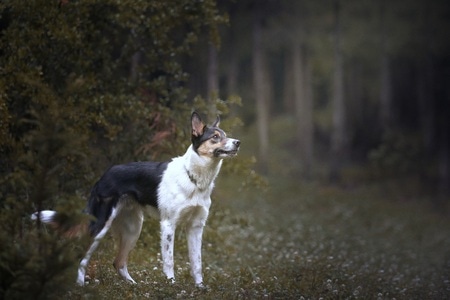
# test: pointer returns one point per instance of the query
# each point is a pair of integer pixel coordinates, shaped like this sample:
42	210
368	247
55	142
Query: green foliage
83	84
34	264
397	155
242	165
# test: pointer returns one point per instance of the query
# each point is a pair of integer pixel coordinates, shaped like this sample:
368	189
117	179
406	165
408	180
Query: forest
341	188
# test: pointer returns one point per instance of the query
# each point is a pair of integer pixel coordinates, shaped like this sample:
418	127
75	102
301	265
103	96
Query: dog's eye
216	137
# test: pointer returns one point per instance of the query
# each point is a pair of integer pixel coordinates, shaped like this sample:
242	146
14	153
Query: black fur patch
139	180
208	133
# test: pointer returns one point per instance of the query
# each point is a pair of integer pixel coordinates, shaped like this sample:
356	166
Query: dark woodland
342	185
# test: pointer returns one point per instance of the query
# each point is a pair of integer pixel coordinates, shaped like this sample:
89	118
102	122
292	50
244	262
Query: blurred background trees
347	84
359	83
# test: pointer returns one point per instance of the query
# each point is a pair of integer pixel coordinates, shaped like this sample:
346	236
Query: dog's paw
171	280
201	286
80	282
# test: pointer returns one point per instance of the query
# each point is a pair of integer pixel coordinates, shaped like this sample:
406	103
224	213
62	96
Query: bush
398	155
83	84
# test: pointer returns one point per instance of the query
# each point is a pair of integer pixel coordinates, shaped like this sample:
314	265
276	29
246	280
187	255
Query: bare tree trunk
303	107
425	86
444	161
261	96
385	93
354	94
309	121
232	74
426	99
232	77
288	85
134	66
212	80
385	74
338	121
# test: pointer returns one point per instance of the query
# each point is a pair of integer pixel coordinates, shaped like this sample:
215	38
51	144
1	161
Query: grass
297	241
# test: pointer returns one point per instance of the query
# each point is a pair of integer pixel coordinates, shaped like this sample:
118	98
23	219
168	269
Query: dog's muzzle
230	149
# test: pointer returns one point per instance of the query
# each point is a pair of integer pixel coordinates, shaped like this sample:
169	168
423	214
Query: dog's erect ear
197	125
217	122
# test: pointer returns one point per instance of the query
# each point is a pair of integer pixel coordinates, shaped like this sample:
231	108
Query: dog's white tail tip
46	216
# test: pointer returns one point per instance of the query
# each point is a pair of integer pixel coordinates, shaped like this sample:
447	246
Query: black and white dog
177	191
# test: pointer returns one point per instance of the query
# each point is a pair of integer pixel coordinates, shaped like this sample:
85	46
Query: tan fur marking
208	147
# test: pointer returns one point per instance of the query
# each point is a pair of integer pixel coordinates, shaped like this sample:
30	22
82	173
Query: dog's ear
198	127
217	122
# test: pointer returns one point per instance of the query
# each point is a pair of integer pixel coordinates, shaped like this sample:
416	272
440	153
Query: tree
301	18
338	128
212	81
76	78
303	105
260	85
385	74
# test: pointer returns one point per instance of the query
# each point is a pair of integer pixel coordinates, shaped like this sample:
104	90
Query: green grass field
295	241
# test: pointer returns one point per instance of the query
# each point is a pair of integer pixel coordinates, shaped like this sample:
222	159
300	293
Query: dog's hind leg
127	229
85	261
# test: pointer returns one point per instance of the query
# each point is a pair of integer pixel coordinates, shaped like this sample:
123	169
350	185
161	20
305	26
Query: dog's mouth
225	153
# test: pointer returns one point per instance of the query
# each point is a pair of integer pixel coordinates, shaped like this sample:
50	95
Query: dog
176	191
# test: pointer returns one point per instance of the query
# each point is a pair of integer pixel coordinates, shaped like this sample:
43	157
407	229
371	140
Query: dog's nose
237	143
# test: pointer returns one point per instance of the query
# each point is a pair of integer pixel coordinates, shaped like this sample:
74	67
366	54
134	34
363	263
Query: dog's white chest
186	187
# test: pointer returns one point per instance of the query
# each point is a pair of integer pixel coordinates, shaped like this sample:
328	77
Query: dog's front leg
194	235
167	241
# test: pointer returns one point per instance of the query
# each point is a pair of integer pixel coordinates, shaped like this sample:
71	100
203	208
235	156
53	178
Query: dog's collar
194	180
191	177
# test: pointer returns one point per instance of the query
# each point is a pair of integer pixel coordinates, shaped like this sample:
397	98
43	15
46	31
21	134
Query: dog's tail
67	226
45	216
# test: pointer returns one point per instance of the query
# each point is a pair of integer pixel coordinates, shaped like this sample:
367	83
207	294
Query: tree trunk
354	93
444	161
212	80
309	121
303	107
385	75
426	84
426	99
261	95
134	66
288	85
232	76
338	118
385	93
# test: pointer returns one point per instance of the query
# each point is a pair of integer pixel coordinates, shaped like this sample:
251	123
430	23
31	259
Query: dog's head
211	141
